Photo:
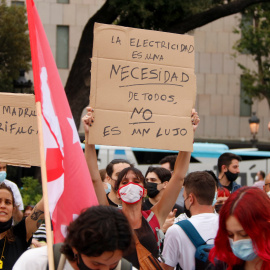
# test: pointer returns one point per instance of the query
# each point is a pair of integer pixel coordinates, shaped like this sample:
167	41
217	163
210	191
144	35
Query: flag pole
45	189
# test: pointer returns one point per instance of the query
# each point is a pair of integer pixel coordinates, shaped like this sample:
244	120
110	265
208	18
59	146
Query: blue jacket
235	186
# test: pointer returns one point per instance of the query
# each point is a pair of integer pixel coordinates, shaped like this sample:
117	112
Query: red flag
70	187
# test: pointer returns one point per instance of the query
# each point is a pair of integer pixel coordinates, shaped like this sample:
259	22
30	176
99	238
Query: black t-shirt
147	239
229	187
13	250
223	266
147	205
111	202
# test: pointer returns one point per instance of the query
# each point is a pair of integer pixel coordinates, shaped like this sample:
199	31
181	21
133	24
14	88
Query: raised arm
168	199
35	219
91	159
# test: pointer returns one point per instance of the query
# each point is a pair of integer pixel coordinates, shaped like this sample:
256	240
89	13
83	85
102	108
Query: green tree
175	16
255	41
31	191
14	45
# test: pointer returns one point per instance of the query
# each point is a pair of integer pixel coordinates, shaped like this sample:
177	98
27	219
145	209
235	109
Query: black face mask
231	176
218	207
4	226
187	212
152	190
82	266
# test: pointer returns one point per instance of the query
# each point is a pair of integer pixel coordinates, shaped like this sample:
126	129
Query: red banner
70	187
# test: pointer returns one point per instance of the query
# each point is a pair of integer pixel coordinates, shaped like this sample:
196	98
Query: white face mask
131	193
256	178
109	187
3	175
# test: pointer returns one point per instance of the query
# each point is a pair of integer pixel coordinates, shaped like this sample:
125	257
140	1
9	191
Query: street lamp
254	123
22	84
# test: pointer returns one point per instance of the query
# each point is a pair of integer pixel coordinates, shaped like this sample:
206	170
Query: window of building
62	46
245	102
247	22
63	1
17	3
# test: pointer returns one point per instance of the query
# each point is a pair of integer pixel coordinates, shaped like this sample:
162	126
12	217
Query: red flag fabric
70	187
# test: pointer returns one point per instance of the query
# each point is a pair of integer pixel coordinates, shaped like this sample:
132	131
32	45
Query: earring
75	255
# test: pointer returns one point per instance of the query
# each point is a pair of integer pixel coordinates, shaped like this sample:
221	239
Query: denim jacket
235	186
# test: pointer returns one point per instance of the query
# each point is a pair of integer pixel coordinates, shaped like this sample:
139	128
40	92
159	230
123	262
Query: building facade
224	116
220	103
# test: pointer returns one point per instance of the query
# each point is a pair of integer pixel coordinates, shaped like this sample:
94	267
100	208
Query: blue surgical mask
243	249
108	190
215	199
3	175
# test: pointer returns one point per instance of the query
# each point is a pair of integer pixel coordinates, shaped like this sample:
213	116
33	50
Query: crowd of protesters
138	214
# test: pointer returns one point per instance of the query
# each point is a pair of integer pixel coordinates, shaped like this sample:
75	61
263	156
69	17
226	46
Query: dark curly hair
98	229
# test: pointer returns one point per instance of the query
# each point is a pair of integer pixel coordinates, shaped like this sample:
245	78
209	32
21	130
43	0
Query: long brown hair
9	233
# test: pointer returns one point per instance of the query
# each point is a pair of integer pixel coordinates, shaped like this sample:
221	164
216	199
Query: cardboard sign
18	128
143	88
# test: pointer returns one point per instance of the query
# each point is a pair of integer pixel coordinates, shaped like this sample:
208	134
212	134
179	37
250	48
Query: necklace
2	257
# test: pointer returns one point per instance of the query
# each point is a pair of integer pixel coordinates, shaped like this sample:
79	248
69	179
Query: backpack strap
191	232
154	224
56	255
152	221
150	216
125	265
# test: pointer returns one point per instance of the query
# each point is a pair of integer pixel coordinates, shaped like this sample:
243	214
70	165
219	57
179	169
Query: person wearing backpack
97	239
179	248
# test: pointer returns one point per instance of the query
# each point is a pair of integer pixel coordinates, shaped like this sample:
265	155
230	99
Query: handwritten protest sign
143	88
18	129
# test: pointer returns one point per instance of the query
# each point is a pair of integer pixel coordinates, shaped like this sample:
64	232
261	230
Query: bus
203	157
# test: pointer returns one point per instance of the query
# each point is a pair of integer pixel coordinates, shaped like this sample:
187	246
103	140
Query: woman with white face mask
242	241
131	190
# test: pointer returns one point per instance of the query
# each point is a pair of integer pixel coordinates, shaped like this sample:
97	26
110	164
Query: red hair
223	192
251	207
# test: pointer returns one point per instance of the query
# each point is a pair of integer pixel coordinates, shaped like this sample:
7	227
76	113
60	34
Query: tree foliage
31	191
175	16
14	45
255	41
158	14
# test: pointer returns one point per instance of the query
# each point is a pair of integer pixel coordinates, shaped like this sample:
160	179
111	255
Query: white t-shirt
259	184
177	246
16	193
37	259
